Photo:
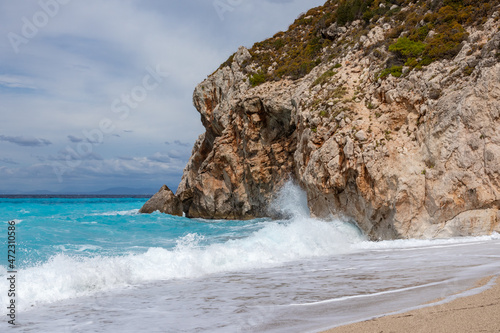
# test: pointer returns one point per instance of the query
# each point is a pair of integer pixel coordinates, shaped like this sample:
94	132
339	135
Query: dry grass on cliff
421	33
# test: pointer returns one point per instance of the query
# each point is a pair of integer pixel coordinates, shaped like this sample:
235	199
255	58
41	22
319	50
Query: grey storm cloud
161	158
25	141
181	154
178	143
185	144
65	156
74	139
125	158
77	76
8	160
172	156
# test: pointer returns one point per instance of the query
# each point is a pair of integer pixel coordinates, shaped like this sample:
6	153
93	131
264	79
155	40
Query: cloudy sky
97	94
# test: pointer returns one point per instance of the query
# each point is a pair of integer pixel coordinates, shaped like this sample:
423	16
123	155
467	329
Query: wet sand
475	313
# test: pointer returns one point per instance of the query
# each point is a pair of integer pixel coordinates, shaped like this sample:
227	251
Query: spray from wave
291	201
275	243
119	212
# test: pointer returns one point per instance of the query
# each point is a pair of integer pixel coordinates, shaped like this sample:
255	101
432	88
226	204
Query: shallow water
304	295
95	265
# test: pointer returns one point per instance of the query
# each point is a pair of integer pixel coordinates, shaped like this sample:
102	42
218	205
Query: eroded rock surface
164	201
416	156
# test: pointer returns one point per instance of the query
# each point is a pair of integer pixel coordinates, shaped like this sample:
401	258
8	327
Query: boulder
164	201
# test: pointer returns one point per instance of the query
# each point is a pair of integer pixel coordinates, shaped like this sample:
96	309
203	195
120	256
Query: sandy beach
475	313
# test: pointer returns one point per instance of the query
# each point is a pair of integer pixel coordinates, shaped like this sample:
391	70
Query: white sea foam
274	244
77	248
408	244
391	291
305	293
118	212
15	220
66	276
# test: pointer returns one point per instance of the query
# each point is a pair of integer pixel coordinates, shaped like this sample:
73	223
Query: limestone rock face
244	157
164	201
428	169
416	156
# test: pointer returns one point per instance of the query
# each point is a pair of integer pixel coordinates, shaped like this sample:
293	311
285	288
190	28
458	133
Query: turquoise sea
96	265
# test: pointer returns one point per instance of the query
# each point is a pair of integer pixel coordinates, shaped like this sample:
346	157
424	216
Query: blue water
86	227
97	265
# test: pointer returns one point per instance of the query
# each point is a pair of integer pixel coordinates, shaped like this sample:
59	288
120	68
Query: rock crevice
415	155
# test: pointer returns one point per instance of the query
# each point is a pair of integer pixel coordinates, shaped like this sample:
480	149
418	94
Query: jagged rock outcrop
245	154
412	154
164	201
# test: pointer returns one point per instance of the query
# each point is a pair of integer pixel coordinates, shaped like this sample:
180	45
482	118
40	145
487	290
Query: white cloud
14	81
25	141
63	81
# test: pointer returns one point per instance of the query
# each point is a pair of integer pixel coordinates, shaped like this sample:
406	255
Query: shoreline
473	310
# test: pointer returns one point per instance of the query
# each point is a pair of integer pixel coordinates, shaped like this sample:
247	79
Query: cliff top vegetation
420	33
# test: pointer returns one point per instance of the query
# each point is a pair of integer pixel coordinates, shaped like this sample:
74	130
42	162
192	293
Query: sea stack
389	116
163	201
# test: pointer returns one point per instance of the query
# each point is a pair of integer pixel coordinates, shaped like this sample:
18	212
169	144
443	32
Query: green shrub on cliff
351	10
324	77
407	48
228	62
257	78
295	52
445	20
395	71
447	42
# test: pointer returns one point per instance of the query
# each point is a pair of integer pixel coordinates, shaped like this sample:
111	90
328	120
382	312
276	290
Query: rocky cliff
387	113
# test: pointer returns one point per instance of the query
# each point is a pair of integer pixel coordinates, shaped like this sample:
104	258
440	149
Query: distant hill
108	191
125	190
